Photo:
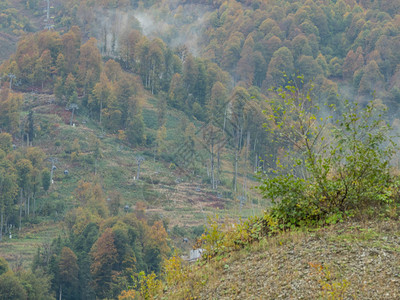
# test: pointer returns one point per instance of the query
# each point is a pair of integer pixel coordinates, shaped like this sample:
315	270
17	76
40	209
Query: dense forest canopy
351	42
344	47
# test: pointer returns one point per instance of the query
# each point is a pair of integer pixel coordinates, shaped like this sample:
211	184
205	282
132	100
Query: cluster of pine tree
22	284
103	252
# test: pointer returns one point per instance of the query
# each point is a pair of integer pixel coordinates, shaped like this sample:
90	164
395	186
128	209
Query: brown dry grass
359	261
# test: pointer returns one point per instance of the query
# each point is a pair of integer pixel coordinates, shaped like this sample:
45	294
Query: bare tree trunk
6	225
245	165
104	50
29	199
219	158
212	141
34	204
256	156
236	169
212	164
25	206
138	170
236	161
72	117
152	82
20	210
226	111
1	225
101	109
218	165
241	138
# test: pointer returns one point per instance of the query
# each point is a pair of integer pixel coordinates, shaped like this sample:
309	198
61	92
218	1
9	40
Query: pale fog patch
147	22
175	24
109	25
182	25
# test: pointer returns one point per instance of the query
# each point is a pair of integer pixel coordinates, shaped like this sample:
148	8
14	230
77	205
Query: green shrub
325	169
220	238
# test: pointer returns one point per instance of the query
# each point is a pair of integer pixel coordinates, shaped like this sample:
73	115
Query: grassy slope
164	188
19	250
173	193
358	260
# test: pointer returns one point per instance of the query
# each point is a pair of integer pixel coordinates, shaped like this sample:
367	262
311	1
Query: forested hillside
128	126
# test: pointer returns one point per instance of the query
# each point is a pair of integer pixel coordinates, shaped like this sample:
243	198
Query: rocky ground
352	261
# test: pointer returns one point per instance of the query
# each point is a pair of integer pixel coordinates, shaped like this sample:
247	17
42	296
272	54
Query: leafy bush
221	237
325	169
148	286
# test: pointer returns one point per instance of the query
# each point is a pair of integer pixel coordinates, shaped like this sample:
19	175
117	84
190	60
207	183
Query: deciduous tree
68	267
104	255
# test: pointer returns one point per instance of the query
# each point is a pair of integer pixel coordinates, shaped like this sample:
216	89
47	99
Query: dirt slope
353	261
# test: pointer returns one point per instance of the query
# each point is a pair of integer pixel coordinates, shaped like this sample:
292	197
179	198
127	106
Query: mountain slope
346	261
